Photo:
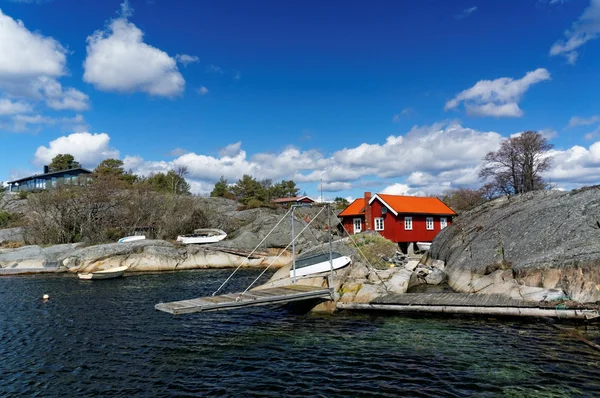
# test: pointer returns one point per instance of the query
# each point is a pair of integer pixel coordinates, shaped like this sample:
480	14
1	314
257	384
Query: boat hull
110	273
424	246
321	266
131	238
202	236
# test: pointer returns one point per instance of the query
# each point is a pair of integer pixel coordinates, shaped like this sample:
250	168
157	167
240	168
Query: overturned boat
317	263
201	236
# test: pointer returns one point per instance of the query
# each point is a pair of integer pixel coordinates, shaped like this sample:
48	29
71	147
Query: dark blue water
104	338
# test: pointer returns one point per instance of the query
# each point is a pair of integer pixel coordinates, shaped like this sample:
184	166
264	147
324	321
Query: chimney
368	215
46	169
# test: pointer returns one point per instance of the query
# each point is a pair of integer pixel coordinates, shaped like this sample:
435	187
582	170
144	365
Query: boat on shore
317	263
202	236
424	246
132	238
110	273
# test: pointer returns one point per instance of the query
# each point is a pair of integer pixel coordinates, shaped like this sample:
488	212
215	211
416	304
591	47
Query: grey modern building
48	179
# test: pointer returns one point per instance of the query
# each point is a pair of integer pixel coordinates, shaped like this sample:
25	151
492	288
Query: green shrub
254	203
23	194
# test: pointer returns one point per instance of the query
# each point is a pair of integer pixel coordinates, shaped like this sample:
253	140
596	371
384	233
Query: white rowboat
201	236
132	238
110	273
424	246
318	263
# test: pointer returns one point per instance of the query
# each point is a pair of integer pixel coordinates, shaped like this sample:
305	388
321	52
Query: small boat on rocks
110	273
201	236
317	263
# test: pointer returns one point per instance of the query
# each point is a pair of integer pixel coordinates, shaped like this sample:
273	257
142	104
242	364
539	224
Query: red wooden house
401	219
296	200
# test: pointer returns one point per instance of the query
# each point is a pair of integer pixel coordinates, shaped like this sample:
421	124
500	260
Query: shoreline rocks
540	246
145	255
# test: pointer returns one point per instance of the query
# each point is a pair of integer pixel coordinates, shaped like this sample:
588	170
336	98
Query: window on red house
408	223
429	223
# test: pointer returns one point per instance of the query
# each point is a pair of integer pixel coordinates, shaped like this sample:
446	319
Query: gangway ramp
233	301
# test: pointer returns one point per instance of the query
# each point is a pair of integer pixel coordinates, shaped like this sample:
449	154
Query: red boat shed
401	219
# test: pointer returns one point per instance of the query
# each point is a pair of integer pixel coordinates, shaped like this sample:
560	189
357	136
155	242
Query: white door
357	225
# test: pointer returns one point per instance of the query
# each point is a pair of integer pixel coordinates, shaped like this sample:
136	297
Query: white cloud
586	28
581	121
466	12
336	186
88	149
406	112
497	97
8	107
231	150
214	69
427	160
23	123
59	99
186	59
30	63
202	90
178	152
119	60
25	54
575	166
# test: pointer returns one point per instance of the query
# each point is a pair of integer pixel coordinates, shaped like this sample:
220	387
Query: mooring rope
251	253
272	262
369	266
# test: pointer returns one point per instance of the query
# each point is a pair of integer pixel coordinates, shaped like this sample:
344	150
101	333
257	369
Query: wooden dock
474	304
276	295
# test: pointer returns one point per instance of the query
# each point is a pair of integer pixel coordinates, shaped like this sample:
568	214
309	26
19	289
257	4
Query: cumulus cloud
59	99
427	160
119	60
575	166
8	107
186	59
22	123
586	28
497	97
30	64
582	121
27	54
202	90
87	148
443	153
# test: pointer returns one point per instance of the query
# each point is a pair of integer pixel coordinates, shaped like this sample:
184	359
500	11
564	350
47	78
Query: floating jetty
473	304
233	301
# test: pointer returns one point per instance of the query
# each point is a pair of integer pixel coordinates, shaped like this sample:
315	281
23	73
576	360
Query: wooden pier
276	295
475	304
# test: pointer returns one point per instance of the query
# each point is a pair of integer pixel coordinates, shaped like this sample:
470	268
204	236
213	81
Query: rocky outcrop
11	235
34	257
542	245
361	283
145	255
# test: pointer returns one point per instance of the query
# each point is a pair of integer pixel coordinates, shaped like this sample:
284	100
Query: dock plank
278	295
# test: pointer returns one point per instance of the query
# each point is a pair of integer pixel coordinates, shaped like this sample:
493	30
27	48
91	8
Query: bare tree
518	165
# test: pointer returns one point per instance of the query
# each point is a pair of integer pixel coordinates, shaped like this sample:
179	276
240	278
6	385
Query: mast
331	285
293	247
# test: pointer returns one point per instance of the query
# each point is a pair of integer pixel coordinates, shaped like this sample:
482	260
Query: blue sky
388	96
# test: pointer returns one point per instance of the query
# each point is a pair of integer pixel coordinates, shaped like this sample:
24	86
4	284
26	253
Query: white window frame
429	223
443	222
354	225
379	224
408	223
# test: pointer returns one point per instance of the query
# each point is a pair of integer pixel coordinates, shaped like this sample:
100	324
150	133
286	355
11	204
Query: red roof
414	204
294	199
356	208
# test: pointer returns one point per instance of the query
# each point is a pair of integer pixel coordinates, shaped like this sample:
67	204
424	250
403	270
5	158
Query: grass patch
373	246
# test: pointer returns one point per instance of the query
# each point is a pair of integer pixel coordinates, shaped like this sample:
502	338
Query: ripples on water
104	338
